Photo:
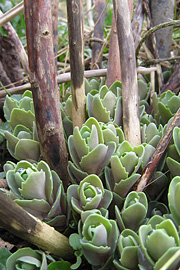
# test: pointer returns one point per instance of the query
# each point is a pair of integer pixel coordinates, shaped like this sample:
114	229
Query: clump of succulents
38	190
105	105
158	242
128	248
174	199
151	134
122	172
27	258
88	151
88	195
134	211
22	142
99	237
174	153
165	106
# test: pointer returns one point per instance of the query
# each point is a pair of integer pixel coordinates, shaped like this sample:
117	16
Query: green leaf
4	255
78	255
173	166
74	241
79	143
99	111
174	199
59	266
21	117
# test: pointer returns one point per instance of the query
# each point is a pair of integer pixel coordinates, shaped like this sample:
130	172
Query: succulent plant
93	84
174	154
22	142
99	240
144	89
122	172
105	105
128	246
112	133
158	243
66	112
150	134
88	151
38	190
134	211
24	102
88	195
165	106
157	208
27	258
174	199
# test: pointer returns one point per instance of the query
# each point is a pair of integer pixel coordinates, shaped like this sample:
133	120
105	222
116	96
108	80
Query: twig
66	77
11	14
157	61
154	29
151	167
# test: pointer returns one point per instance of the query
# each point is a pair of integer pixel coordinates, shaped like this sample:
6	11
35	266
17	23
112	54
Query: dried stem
99	34
62	78
44	86
76	47
19	222
130	98
11	14
152	30
18	45
151	167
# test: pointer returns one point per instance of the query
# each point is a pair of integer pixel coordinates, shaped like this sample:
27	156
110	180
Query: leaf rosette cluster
22	142
99	240
88	151
88	195
38	190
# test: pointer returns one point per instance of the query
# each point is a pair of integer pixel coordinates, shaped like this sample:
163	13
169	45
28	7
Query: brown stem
159	152
114	66
18	45
16	220
137	22
44	86
98	33
130	98
11	14
76	47
54	12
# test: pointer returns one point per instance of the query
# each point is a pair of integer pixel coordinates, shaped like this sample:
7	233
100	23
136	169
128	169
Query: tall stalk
76	47
44	86
130	99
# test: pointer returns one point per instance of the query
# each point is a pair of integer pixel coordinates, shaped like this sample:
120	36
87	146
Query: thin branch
157	61
152	30
12	13
151	167
66	77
